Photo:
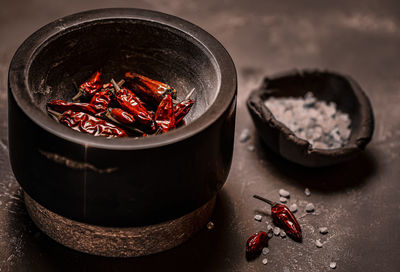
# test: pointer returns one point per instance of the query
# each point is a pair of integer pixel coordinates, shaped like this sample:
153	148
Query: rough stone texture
118	242
263	37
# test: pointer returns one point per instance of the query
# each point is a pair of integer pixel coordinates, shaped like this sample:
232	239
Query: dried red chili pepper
61	106
124	120
84	122
284	218
151	91
181	109
129	102
101	100
121	116
89	87
165	117
256	243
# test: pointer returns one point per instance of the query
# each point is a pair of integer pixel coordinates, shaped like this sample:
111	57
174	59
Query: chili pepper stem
189	94
55	114
272	203
121	82
79	94
116	86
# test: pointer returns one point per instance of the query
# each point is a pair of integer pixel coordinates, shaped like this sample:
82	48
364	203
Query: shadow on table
351	174
206	249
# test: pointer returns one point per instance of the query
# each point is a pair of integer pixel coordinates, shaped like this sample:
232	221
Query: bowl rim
22	59
353	146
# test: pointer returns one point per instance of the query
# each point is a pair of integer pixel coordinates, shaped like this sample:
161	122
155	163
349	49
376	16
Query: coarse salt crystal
323	230
293	208
265	250
284	193
310	207
244	135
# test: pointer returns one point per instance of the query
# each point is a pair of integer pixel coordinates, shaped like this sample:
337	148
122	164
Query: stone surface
264	38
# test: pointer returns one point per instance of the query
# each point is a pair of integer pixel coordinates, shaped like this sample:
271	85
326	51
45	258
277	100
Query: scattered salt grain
244	135
293	208
284	193
258	217
323	230
318	243
265	250
283	199
270	234
310	207
332	265
318	122
210	225
277	231
265	261
307	192
269	227
282	234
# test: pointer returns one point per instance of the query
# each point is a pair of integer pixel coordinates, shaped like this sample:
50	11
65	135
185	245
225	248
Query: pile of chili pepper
136	106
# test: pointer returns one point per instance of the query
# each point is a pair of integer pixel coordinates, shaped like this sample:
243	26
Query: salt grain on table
332	265
258	217
265	261
318	243
310	207
277	231
307	192
284	193
265	250
318	122
282	234
293	208
210	225
283	199
244	135
323	230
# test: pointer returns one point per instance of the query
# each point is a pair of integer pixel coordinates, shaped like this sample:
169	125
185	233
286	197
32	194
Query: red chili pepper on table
165	117
284	218
129	102
89	87
151	91
84	122
61	106
256	243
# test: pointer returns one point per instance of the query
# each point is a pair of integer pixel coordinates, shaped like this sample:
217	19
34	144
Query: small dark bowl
327	86
121	182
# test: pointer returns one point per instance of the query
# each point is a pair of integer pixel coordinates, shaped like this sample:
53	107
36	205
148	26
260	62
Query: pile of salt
318	122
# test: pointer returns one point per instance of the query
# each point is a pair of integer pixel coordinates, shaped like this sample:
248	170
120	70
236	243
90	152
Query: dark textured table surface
358	201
